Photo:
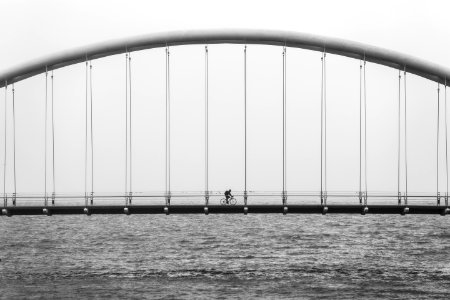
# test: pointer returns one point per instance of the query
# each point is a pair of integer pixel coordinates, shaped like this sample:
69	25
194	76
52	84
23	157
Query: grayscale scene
224	150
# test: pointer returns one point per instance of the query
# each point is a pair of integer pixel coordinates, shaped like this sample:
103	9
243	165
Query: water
225	256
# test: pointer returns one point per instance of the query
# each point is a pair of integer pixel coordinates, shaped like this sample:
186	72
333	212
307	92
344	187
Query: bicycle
231	201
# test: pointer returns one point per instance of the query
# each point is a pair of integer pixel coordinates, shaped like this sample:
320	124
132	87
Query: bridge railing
198	198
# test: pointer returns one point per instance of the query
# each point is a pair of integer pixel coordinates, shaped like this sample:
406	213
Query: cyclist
228	196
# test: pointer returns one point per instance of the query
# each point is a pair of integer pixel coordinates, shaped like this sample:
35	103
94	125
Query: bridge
249	201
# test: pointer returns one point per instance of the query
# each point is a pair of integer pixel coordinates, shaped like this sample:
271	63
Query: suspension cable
166	148
325	120
131	153
406	157
45	136
86	134
53	142
92	136
14	143
4	165
126	124
360	129
245	125
321	132
167	126
206	123
399	136
284	124
365	130
169	120
446	140
437	146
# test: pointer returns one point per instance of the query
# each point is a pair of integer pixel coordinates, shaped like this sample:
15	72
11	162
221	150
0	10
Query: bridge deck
222	209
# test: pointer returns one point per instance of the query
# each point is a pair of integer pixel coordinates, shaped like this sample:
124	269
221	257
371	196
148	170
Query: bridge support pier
365	210
405	211
86	211
445	211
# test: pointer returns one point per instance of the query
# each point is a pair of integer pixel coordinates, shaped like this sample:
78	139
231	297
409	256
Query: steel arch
340	47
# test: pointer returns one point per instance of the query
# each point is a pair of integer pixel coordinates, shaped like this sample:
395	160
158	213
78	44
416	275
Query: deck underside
225	209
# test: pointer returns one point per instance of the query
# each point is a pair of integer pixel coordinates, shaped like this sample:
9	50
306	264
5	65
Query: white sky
36	28
32	29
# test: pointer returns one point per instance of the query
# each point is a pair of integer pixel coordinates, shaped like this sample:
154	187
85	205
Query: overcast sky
32	29
35	28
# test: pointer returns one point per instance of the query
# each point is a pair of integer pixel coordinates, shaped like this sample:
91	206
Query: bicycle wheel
223	201
233	201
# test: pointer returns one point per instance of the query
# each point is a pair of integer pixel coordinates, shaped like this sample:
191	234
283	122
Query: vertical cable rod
206	125
5	199
167	126
126	128
406	157
321	132
325	125
169	120
437	148
284	125
446	142
360	132
325	121
45	137
14	143
399	138
166	134
53	142
92	136
86	135
245	125
365	133
131	148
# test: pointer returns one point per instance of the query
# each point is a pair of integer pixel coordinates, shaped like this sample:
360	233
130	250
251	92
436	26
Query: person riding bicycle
228	196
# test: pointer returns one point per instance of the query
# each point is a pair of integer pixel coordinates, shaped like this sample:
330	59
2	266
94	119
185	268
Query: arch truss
364	53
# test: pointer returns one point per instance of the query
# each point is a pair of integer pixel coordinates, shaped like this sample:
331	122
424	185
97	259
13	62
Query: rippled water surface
225	256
